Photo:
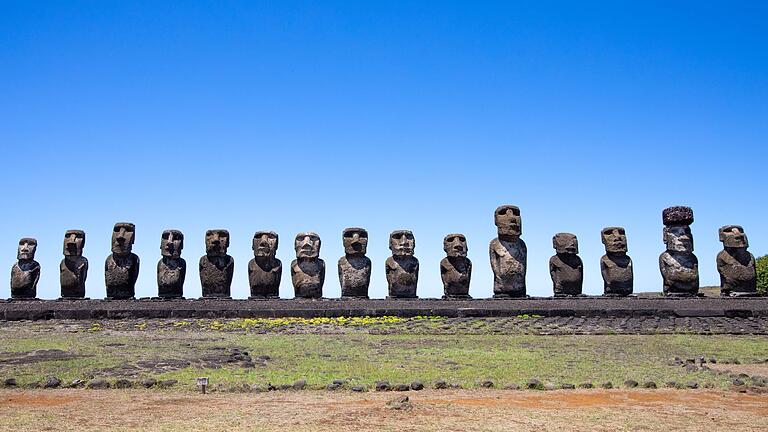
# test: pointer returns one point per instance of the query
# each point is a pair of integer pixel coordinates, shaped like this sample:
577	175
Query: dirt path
465	410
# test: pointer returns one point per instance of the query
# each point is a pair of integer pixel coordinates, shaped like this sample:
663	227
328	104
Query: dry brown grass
455	410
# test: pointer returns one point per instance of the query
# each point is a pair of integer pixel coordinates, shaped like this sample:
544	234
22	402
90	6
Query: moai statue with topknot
264	270
26	272
73	269
679	266
565	267
171	269
216	267
616	265
509	255
354	266
455	268
402	268
738	274
121	268
307	270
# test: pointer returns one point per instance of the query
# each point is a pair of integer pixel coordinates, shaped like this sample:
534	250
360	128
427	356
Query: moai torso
738	273
455	268
354	267
121	269
509	263
402	276
618	279
216	267
567	272
120	275
456	273
264	277
264	270
73	270
307	270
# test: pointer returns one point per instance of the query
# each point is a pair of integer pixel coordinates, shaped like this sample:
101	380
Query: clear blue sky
295	116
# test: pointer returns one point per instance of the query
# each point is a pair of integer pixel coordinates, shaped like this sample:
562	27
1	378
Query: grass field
233	355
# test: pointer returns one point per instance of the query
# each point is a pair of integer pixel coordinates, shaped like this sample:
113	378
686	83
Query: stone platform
15	310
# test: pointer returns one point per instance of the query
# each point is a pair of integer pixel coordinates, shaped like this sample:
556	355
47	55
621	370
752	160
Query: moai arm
37	276
230	269
553	274
494	259
84	269
135	271
416	268
322	271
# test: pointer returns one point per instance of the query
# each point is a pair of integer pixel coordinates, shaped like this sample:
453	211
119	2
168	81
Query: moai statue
171	269
216	267
455	268
738	274
121	268
26	272
73	269
679	266
565	266
354	266
307	270
509	255
402	267
264	270
616	265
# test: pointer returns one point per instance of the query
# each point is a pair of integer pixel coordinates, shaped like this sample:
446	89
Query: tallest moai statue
509	255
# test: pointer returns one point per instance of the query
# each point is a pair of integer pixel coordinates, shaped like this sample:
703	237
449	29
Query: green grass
364	358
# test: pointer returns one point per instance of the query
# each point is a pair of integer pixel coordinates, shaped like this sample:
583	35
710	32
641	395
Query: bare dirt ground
446	410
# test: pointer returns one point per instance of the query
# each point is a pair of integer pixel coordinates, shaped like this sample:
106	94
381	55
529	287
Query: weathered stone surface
736	265
400	403
417	385
616	265
26	272
51	382
679	266
402	268
509	254
216	267
354	266
264	270
98	384
171	269
73	270
307	270
566	268
455	268
121	268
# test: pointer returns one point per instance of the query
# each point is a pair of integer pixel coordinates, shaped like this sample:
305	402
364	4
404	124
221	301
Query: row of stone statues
508	256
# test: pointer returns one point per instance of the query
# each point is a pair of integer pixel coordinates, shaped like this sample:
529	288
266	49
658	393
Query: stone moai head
265	244
508	221
27	249
677	232
732	236
171	243
402	243
355	241
74	242
123	236
455	245
565	243
614	239
216	242
307	245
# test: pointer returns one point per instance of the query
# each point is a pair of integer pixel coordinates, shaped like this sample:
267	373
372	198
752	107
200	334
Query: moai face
123	237
216	242
307	245
27	249
171	243
455	245
74	242
678	238
402	243
733	236
565	243
614	239
355	241
508	221
265	244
